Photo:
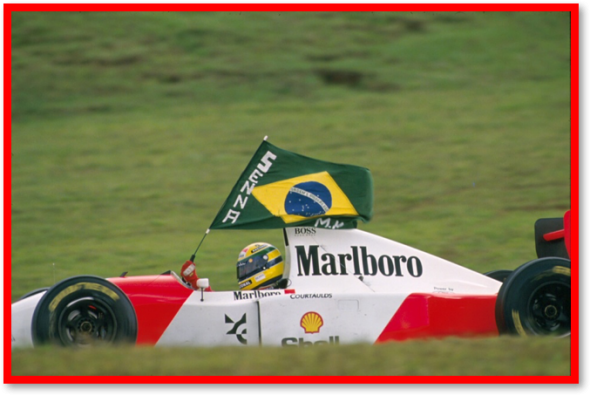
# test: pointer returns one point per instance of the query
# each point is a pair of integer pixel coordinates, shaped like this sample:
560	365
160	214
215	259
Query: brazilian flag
281	189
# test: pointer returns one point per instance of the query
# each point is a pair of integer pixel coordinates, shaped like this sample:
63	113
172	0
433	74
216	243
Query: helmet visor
254	264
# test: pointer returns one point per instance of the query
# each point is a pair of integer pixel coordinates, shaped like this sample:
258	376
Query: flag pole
192	259
199	246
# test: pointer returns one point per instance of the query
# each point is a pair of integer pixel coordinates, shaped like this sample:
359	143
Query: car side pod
536	299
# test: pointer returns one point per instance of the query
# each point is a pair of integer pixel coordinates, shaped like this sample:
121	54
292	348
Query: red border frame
572	379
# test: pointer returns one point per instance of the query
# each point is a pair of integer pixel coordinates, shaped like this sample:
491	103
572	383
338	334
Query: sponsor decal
300	342
260	277
245	295
305	231
443	290
245	284
235	330
311	296
258	247
311	322
358	262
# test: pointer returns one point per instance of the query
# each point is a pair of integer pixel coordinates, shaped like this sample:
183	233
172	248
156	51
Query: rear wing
552	237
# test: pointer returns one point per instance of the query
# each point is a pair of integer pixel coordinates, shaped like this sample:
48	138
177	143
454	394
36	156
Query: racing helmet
259	265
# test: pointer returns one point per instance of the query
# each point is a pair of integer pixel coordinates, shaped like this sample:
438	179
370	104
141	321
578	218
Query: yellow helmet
259	265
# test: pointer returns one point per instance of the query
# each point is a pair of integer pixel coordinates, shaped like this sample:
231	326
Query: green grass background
130	129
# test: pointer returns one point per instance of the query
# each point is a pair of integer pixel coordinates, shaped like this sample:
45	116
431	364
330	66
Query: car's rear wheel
84	311
536	299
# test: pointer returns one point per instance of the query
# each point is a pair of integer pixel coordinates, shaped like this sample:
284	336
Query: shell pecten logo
311	322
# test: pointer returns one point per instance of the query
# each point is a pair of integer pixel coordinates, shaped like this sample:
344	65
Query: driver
260	266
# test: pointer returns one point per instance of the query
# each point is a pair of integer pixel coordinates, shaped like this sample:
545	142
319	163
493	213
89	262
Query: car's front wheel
84	311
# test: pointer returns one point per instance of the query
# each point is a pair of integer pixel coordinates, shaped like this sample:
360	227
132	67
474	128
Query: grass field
129	130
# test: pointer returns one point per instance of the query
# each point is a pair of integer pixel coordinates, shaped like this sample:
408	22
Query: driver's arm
189	274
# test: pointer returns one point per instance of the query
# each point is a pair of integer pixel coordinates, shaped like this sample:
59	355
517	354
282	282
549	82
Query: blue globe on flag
308	199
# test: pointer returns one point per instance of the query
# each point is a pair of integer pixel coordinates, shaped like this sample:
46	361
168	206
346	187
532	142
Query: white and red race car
344	286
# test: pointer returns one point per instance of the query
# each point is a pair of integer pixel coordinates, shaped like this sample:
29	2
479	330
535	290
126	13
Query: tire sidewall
45	325
514	297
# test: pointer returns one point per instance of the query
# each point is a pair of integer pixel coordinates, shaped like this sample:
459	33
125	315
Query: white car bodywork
345	286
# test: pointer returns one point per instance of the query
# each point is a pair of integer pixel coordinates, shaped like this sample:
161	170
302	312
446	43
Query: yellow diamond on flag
300	198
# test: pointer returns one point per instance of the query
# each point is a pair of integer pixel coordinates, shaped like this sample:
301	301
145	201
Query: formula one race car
340	285
344	286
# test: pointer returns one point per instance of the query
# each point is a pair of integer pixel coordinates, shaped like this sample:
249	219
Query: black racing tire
84	311
536	299
500	275
34	292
